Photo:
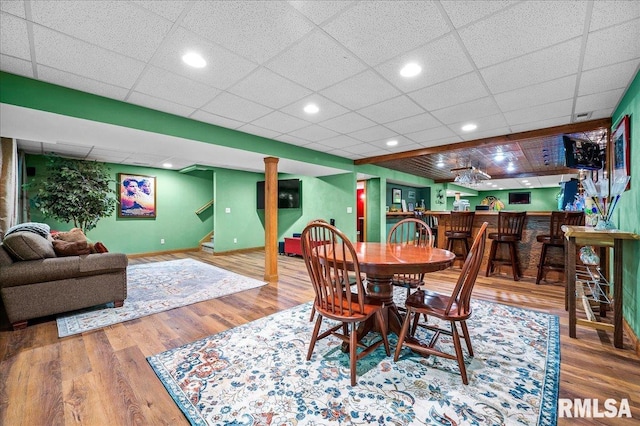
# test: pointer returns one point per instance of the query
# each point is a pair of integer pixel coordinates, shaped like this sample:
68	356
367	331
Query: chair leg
466	248
313	313
314	337
543	257
456	342
403	334
383	332
514	261
467	338
492	256
353	346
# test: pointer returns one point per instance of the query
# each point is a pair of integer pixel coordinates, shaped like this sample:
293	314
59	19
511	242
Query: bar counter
536	223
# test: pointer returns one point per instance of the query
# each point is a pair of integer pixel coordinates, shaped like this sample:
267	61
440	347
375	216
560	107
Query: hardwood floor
102	377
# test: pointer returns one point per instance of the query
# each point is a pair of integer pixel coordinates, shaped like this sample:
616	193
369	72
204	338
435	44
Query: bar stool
556	239
459	229
510	226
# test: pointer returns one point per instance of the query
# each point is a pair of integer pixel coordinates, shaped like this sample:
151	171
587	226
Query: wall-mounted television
582	154
519	198
289	194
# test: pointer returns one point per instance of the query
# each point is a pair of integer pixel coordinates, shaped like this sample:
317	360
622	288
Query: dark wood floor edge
632	336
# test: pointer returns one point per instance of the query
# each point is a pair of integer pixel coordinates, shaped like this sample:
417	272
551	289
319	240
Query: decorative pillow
70	248
26	245
41	229
75	235
99	248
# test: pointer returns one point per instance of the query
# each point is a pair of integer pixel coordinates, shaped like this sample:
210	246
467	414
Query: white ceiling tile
313	133
109	156
392	110
170	9
290	139
270	89
440	60
436	133
347	123
612	45
413	124
550	91
492	123
597	101
540	124
255	30
329	64
405	145
13	7
464	12
373	133
361	90
260	131
216	119
345	154
468	111
163	84
114	25
319	12
608	78
13	33
328	109
68	54
76	150
534	68
540	112
452	92
487	134
607	13
158	104
441	142
341	141
365	149
223	67
377	31
280	122
537	26
230	105
88	85
16	66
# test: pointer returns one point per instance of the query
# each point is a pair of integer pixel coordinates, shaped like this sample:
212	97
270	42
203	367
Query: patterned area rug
257	374
156	287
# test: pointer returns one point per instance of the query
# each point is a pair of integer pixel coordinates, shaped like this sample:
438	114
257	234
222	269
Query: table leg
380	287
571	285
617	293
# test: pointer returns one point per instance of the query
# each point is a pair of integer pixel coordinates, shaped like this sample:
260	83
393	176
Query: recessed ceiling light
525	181
411	70
167	165
501	189
392	143
469	127
511	167
195	60
499	156
528	183
311	109
440	163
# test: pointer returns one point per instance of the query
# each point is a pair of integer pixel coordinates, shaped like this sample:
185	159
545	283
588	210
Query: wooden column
271	219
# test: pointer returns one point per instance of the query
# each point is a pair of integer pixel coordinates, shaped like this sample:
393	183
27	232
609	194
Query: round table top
389	259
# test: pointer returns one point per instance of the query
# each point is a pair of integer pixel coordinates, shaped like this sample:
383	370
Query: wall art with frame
396	195
621	151
136	196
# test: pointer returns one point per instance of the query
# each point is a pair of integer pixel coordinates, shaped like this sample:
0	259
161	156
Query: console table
587	236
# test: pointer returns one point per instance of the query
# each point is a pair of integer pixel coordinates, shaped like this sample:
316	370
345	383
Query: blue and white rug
257	374
156	287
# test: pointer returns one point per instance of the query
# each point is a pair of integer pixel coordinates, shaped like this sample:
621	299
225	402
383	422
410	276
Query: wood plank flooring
103	378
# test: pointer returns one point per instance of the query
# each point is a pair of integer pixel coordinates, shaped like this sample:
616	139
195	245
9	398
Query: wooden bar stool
556	239
510	226
459	229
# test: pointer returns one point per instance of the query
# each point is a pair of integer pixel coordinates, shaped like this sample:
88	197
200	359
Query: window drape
9	188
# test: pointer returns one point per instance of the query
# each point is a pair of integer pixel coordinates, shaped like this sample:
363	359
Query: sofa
35	281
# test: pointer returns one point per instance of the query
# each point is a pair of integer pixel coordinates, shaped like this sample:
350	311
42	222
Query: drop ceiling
507	66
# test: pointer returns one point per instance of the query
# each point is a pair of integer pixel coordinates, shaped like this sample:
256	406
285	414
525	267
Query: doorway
361	211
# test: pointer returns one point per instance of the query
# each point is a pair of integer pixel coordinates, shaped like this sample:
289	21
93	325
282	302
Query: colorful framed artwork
621	150
136	196
396	195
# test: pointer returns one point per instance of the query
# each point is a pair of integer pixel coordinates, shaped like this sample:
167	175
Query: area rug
257	374
156	287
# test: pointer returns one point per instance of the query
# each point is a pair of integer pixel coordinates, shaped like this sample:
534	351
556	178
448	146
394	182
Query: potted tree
75	191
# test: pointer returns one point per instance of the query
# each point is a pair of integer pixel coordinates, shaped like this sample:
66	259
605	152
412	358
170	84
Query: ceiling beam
582	126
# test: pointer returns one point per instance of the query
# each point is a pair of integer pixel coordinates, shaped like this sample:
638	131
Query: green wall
542	199
627	215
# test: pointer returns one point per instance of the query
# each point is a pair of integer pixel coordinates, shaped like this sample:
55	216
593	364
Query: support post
271	219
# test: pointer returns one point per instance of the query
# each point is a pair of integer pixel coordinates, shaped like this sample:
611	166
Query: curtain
9	189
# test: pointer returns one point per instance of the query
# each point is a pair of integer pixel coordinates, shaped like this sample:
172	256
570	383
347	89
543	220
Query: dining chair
555	238
410	231
510	226
323	248
454	308
458	229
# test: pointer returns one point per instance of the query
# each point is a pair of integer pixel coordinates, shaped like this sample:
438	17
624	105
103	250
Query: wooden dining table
381	261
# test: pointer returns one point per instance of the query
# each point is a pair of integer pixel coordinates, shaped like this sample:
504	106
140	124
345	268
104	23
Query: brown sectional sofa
44	284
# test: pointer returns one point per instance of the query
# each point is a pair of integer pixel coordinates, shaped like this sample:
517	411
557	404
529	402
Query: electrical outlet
227	210
235	241
161	240
349	209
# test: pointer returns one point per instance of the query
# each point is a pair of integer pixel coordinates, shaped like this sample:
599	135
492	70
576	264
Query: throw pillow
75	235
26	245
41	229
70	248
99	248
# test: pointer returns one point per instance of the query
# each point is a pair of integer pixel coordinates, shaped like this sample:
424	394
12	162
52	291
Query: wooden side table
588	236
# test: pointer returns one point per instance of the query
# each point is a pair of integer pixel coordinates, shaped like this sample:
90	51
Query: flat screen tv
289	191
582	154
519	198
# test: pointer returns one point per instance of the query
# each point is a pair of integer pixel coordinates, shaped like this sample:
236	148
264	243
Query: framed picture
410	207
136	196
411	195
621	150
396	195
